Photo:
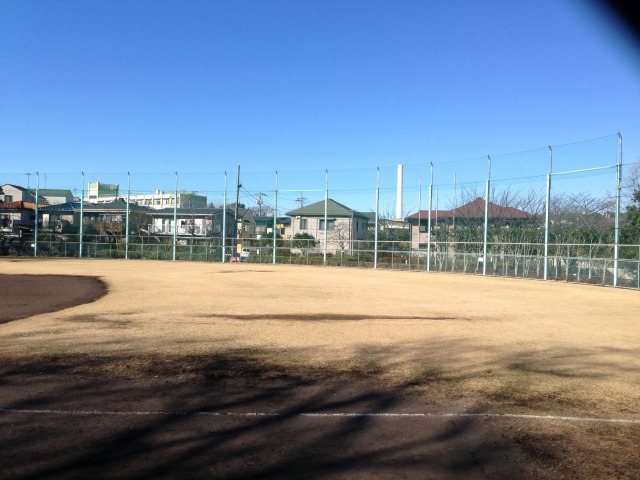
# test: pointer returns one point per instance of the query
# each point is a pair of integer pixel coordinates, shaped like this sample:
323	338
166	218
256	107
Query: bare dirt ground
271	371
27	295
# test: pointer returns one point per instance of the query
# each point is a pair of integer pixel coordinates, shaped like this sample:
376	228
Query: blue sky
200	87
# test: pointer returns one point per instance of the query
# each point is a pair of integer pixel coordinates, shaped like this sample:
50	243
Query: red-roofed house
469	214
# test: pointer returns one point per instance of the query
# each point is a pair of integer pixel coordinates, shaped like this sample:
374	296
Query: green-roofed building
344	225
53	196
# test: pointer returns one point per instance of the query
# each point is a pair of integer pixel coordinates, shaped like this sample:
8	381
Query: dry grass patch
558	449
519	397
500	345
99	321
578	450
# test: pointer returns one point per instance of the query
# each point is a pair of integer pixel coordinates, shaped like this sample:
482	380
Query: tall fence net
531	215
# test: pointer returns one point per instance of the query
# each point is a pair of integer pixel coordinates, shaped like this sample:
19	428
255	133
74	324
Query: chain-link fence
525	215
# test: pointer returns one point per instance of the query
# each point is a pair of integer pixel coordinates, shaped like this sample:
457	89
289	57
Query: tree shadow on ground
61	424
239	415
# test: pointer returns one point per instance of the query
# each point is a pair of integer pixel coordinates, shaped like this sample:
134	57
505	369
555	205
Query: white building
102	192
160	199
106	193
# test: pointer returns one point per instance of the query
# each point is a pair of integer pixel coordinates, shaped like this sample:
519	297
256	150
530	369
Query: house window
331	224
8	198
303	224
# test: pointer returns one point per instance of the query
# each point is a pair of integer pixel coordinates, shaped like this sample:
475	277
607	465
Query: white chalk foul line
322	415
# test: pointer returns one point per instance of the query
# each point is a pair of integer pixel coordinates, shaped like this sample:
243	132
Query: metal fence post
35	240
275	220
224	219
175	220
81	219
486	218
126	241
419	219
326	202
616	252
429	220
375	235
547	219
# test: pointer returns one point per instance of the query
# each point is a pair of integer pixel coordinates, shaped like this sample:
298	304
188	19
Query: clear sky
200	87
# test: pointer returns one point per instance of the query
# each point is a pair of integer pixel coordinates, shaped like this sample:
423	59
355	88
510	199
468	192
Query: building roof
61	207
19	205
243	213
387	222
197	212
15	186
116	206
119	206
371	217
50	192
474	209
334	209
268	220
42	192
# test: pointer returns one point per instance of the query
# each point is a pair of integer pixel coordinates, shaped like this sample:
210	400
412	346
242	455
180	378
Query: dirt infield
187	340
27	295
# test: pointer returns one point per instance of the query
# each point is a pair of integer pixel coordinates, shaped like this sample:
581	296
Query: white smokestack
399	212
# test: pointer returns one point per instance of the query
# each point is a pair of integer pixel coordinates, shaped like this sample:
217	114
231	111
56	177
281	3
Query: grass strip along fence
581	263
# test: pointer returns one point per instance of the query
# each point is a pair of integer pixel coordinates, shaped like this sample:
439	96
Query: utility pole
301	200
259	201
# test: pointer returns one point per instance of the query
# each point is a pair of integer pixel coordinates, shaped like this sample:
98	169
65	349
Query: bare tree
262	211
531	201
341	235
469	192
581	210
631	183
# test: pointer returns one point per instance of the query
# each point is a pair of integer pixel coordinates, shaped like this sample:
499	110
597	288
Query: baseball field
150	369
